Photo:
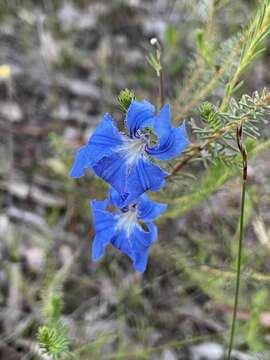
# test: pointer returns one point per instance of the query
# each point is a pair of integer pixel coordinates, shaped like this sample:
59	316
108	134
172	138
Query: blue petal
116	198
139	115
121	242
82	160
99	204
102	143
148	209
104	223
141	241
136	246
144	176
114	170
172	141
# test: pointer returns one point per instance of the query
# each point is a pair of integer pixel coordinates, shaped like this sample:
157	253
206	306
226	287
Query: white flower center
127	221
132	149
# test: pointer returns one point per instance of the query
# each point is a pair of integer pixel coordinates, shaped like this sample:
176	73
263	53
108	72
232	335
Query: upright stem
241	233
158	66
161	87
238	275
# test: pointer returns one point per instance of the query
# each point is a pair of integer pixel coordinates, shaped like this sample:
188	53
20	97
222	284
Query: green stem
238	275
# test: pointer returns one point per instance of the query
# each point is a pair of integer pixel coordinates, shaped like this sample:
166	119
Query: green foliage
154	60
62	163
52	297
253	328
211	116
154	63
257	34
229	59
255	37
203	46
217	174
52	306
53	337
53	341
172	37
217	130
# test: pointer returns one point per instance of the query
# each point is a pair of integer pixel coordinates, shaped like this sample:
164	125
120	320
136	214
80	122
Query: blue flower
123	228
123	160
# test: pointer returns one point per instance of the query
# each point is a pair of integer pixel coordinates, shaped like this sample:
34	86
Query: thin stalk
238	274
241	235
161	88
156	63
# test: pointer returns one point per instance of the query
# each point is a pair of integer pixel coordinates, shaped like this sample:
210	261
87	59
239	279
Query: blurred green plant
253	329
53	336
53	341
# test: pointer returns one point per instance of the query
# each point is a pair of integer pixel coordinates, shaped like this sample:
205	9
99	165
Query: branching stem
196	149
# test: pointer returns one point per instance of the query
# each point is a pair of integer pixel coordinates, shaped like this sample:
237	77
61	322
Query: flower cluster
123	160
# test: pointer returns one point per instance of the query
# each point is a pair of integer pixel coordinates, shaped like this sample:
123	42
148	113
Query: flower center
148	136
128	219
132	149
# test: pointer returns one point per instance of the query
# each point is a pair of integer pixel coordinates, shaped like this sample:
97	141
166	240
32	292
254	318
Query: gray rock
207	351
23	190
18	188
79	87
71	134
11	111
35	259
28	217
168	355
71	17
4	223
239	355
45	198
49	48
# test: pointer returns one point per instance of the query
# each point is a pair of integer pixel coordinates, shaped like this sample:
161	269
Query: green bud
53	341
206	110
125	98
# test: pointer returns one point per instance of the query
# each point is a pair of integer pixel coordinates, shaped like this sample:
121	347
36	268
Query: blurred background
62	65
